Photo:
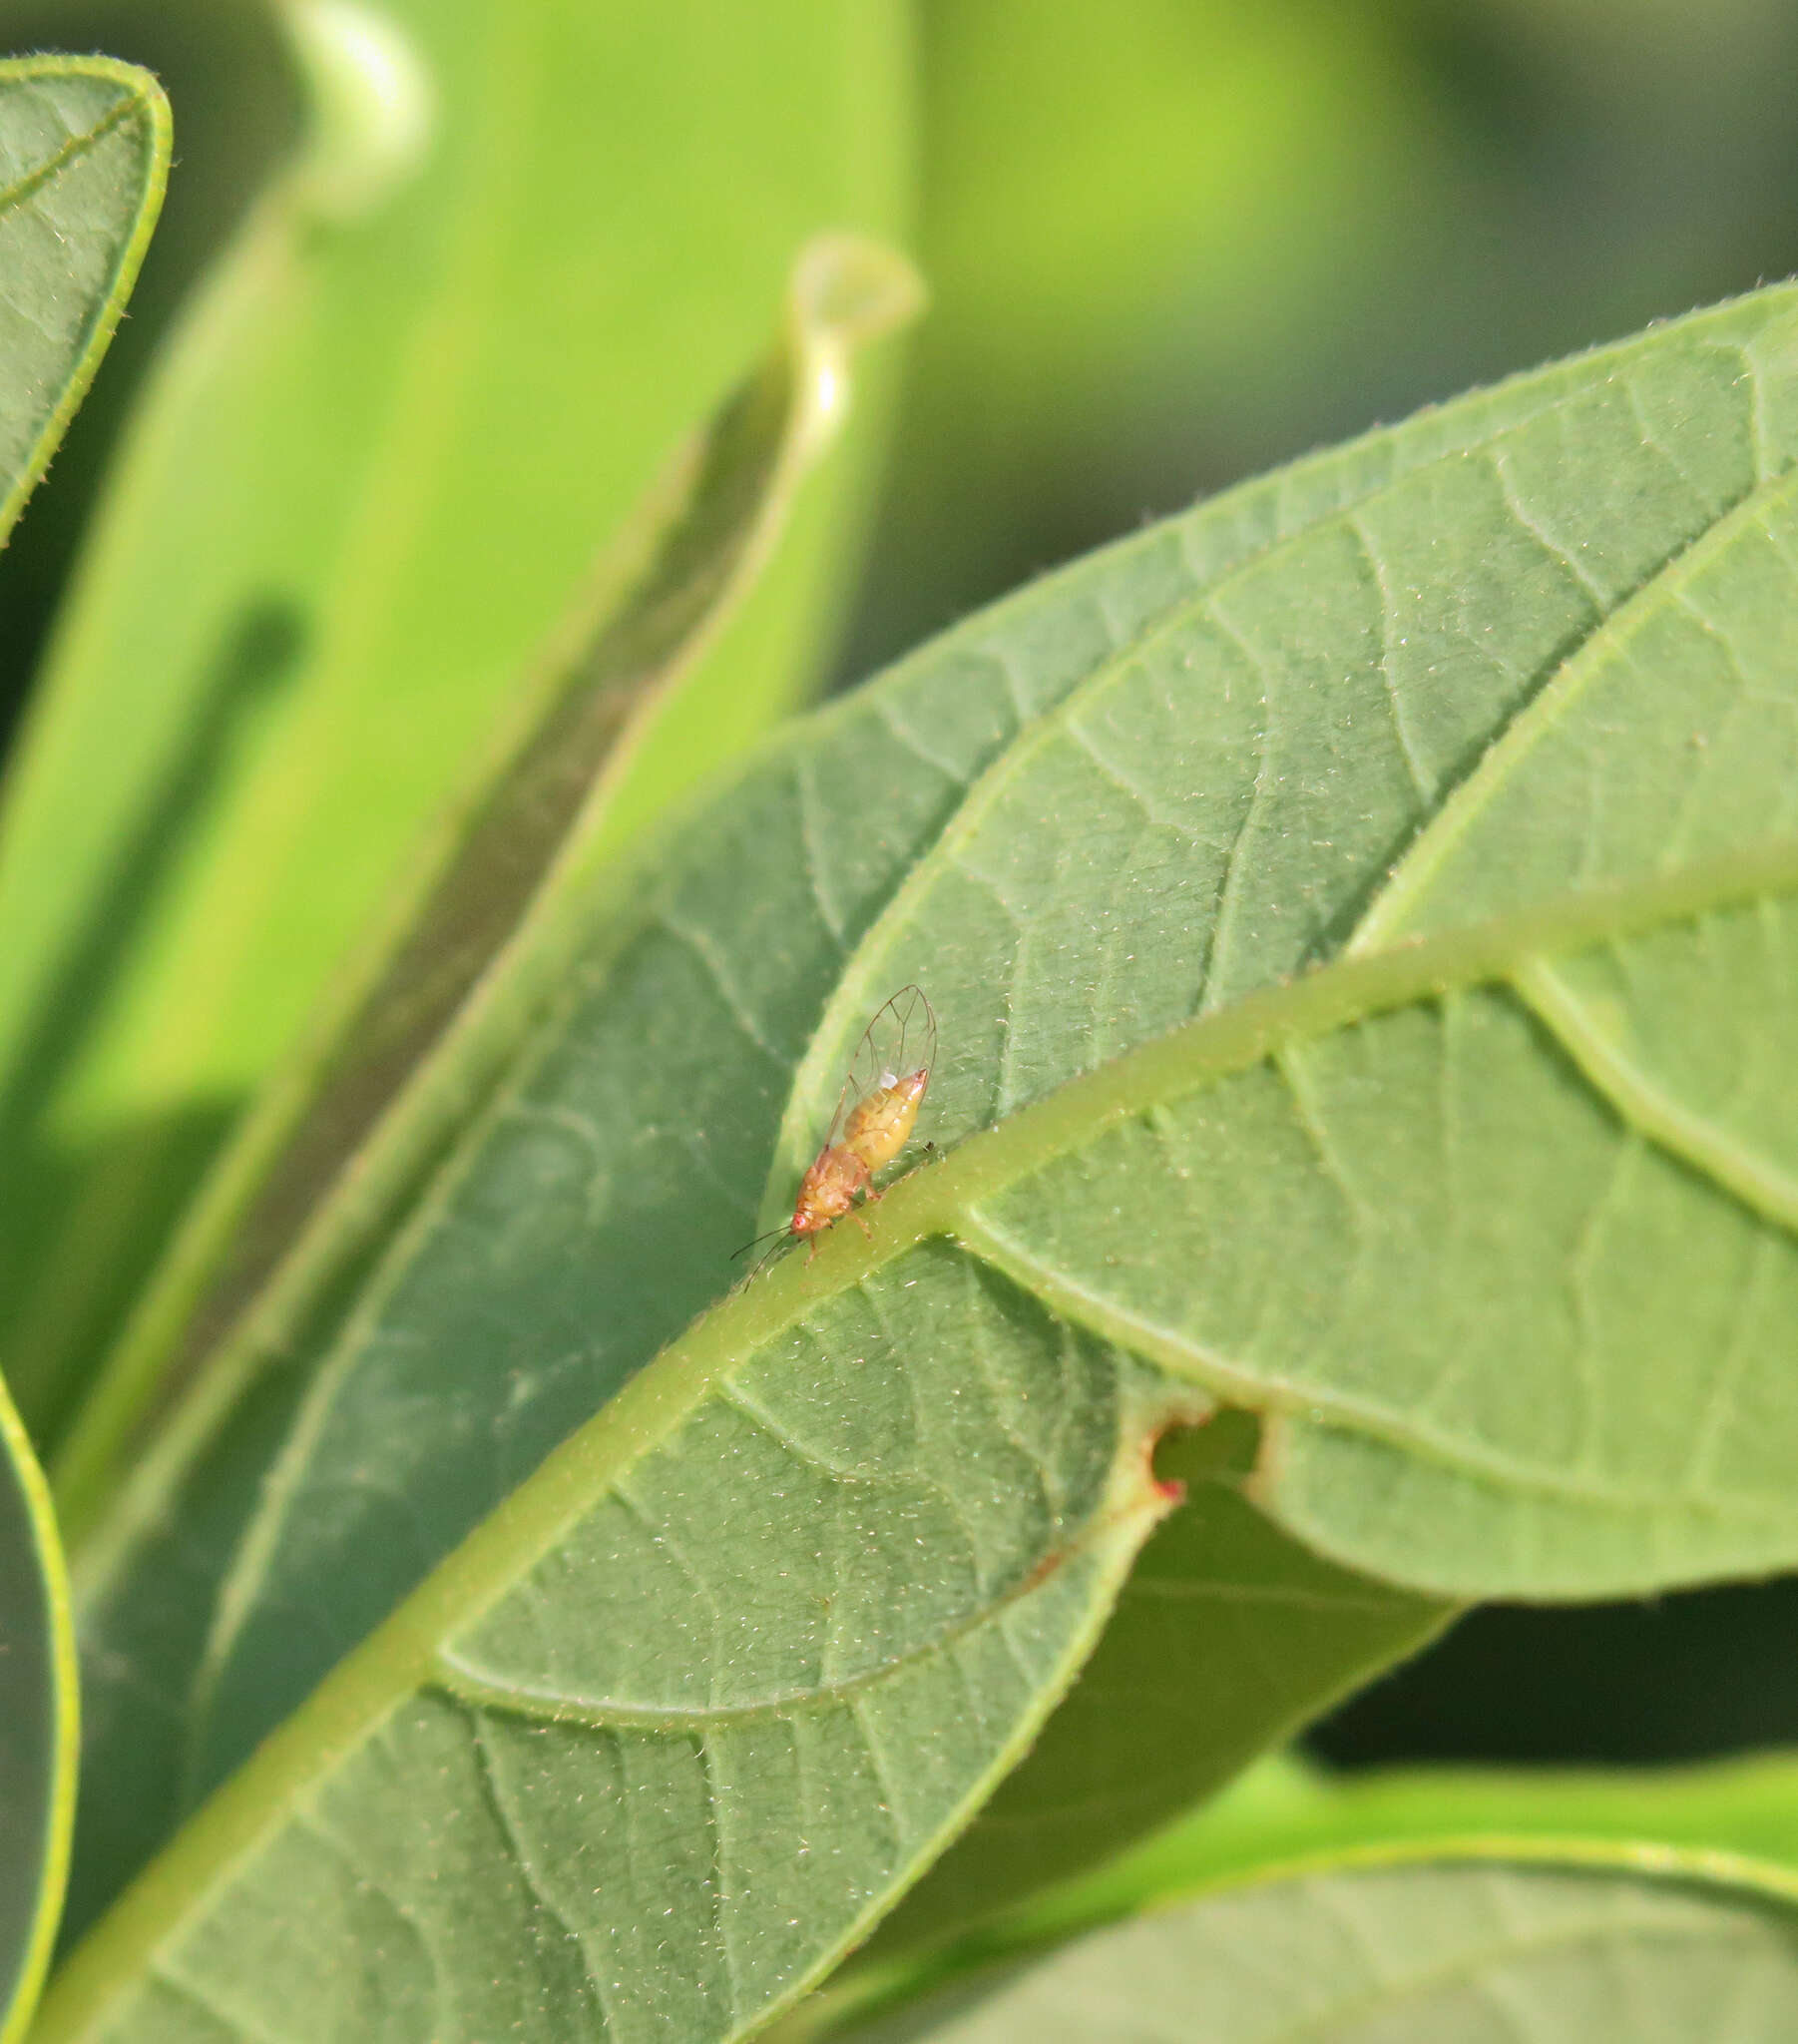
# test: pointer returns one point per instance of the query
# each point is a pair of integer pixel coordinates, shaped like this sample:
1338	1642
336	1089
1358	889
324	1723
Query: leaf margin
399	1655
15	1447
843	291
146	97
837	2014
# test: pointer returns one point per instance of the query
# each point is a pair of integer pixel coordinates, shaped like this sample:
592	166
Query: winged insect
875	1113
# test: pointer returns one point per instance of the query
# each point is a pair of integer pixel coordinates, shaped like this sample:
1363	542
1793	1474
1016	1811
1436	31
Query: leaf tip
844	291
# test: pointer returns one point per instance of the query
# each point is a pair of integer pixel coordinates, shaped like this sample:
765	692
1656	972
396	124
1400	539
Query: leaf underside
447	982
1386	1038
1408	1954
370	467
84	153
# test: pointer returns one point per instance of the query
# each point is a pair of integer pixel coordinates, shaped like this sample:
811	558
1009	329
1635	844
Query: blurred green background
1173	242
1176	241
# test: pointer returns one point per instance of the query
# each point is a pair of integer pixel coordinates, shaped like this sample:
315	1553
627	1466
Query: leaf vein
1422	783
522	1859
1267	1391
76	146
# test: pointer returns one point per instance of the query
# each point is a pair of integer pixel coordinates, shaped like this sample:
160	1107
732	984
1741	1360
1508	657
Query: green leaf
83	157
187	1585
605	734
1227	1636
1123	829
1629	1947
527	247
38	1732
1285	1811
454	974
853	1707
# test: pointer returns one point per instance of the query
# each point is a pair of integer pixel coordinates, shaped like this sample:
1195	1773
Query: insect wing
902	1038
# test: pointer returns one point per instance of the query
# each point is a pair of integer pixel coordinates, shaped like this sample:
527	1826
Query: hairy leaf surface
1410	1954
1150	834
1285	1811
83	157
451	976
689	1707
528	244
448	982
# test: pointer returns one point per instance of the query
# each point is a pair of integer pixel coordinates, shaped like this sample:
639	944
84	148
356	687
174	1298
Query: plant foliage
1363	1169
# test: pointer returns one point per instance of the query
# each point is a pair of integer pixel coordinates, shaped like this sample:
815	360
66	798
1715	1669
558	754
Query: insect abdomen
881	1125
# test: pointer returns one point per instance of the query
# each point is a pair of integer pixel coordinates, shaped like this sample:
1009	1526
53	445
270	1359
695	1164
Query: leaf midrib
860	986
789	448
930	1201
939	1199
402	1657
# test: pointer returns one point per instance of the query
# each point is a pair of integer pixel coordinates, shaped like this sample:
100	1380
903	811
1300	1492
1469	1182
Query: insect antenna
759	1240
768	1256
